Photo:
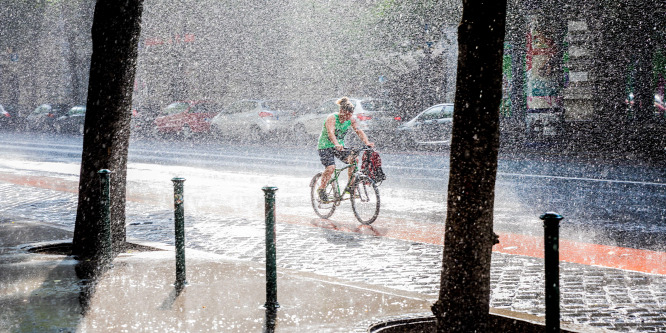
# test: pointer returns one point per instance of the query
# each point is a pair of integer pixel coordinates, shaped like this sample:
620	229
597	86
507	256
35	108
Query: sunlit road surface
238	193
574	252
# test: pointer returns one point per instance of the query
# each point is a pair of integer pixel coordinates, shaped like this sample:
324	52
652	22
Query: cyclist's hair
345	104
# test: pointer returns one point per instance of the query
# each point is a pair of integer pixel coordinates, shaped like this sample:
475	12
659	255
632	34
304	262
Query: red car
186	118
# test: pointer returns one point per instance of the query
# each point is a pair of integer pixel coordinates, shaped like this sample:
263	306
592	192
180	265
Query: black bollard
551	226
270	320
105	214
271	262
179	220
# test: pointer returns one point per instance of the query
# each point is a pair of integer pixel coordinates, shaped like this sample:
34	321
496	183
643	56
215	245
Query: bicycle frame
336	174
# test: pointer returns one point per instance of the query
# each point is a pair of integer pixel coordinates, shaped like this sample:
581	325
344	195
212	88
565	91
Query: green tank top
340	133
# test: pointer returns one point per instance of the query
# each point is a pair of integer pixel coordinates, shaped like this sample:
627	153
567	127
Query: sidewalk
42	293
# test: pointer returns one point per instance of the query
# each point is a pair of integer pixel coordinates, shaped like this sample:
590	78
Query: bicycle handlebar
357	150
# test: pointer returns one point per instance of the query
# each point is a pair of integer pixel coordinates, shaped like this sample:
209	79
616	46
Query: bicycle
364	196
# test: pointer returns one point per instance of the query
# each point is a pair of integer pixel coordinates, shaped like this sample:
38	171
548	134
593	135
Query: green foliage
659	66
407	25
16	18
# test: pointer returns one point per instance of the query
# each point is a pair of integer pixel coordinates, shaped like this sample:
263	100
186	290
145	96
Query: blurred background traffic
256	71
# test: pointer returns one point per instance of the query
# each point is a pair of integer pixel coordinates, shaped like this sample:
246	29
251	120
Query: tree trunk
464	297
115	33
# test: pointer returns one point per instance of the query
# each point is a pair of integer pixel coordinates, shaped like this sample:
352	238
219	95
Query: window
77	110
44	108
176	107
447	111
431	113
205	108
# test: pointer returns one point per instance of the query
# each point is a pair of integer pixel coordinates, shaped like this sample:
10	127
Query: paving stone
590	295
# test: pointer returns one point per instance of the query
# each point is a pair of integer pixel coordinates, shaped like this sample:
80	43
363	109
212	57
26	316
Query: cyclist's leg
326	156
349	159
326	176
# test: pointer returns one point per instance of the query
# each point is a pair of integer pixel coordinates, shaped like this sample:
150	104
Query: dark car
185	118
72	121
43	117
432	127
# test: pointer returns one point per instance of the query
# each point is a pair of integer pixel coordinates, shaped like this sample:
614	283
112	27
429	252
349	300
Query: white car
255	120
310	125
376	117
431	127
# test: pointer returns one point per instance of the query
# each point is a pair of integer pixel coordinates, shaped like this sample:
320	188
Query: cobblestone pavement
601	297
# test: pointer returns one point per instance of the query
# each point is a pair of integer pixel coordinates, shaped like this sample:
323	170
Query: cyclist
331	141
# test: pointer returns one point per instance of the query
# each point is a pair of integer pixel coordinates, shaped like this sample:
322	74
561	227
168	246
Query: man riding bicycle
332	140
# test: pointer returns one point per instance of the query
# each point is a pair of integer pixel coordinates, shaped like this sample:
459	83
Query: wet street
615	204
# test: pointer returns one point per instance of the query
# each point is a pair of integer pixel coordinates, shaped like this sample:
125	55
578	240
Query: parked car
185	118
72	121
254	120
44	116
376	117
431	127
308	126
5	118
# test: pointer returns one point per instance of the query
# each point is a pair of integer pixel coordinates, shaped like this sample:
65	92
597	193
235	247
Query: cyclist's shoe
352	193
322	195
350	188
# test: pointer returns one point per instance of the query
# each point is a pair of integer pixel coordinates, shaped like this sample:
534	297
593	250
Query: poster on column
544	104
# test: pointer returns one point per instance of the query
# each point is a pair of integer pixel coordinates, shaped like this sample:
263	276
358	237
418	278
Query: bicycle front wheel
365	200
323	208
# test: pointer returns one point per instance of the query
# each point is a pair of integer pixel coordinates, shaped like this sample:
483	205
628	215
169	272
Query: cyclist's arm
361	134
330	129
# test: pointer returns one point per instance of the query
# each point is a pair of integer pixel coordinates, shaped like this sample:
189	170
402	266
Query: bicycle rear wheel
365	200
323	208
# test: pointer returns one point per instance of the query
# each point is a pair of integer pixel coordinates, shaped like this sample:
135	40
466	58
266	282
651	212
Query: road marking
633	182
645	261
638	260
41	182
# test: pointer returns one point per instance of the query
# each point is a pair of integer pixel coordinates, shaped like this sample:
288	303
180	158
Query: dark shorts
326	155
